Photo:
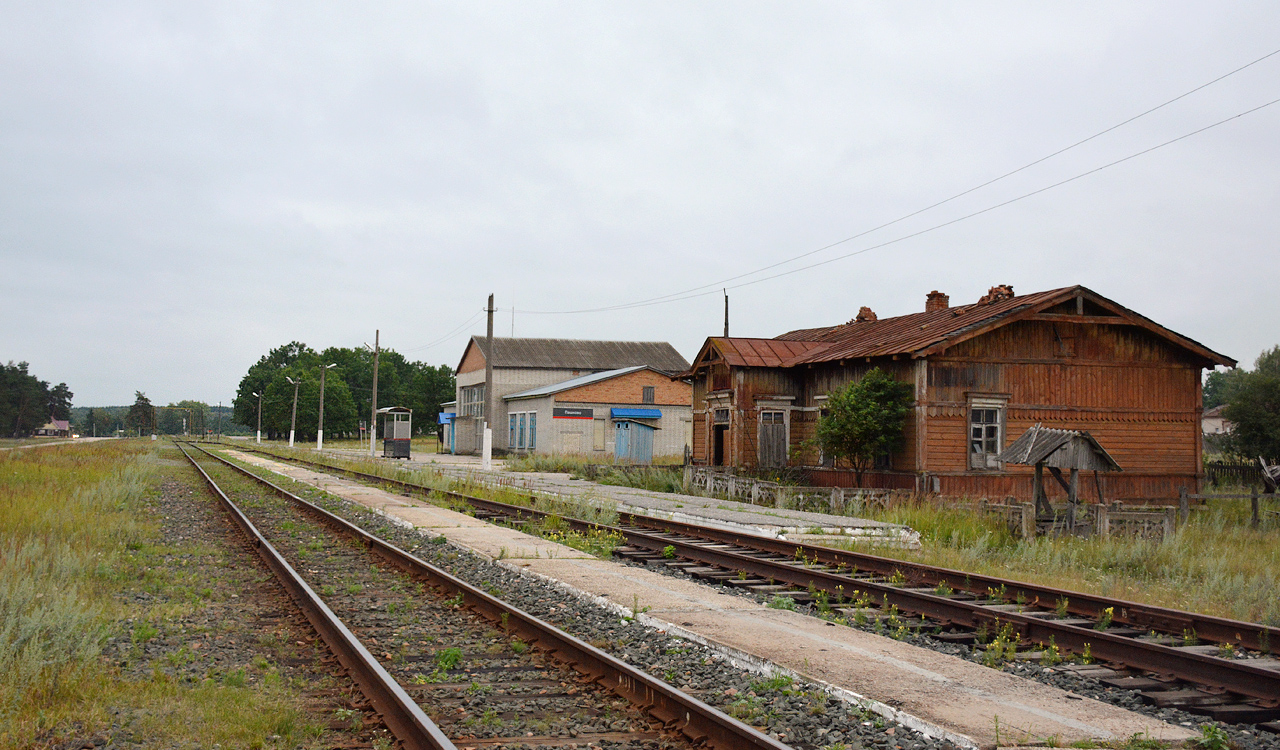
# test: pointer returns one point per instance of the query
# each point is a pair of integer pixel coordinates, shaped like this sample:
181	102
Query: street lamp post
293	421
320	426
259	395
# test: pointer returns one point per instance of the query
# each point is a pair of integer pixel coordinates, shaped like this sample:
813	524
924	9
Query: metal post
373	412
293	422
1184	505
1253	505
320	422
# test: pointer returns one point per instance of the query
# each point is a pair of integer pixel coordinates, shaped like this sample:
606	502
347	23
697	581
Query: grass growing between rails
79	564
1215	564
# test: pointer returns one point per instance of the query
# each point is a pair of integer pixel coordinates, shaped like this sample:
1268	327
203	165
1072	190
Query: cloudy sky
184	186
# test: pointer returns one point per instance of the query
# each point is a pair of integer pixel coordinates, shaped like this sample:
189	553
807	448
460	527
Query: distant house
54	428
1064	358
522	365
589	414
1213	423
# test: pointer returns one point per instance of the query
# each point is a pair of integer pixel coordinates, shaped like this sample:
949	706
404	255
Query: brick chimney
936	300
865	315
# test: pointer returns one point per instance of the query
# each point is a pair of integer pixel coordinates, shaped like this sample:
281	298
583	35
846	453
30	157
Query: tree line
348	390
1252	401
27	403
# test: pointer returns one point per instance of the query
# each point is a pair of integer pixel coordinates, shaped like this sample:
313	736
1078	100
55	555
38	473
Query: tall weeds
64	518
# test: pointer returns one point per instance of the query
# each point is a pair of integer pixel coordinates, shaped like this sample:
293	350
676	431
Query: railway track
1207	665
445	664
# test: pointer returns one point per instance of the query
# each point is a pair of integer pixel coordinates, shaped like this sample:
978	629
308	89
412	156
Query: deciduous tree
865	420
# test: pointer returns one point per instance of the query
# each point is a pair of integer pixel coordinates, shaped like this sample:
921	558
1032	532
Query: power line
688	293
448	335
966	216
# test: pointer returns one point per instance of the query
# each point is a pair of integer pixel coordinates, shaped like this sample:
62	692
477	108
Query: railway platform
777	522
941	695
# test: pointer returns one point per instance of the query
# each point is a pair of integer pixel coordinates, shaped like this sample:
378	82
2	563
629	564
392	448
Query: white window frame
984	460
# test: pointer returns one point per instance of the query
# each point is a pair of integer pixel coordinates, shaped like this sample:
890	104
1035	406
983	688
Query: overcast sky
185	186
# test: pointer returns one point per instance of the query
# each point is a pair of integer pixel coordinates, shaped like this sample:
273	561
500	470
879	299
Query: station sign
572	413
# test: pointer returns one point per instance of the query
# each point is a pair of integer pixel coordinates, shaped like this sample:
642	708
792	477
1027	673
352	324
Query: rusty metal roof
762	352
919	334
924	333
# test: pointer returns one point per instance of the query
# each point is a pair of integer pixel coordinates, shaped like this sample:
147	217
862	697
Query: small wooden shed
1057	449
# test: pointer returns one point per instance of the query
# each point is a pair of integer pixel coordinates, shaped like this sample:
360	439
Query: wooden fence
1220	473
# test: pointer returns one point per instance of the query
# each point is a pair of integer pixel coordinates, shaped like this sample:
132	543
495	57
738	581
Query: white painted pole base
290	438
319	440
486	455
259	437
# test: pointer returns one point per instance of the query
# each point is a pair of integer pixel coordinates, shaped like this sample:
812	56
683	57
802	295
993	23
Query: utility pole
373	413
320	422
490	406
726	313
293	422
259	395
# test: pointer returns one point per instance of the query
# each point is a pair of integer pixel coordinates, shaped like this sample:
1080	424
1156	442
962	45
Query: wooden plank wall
1135	393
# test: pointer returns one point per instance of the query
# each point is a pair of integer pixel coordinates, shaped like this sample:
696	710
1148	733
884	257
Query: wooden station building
1065	358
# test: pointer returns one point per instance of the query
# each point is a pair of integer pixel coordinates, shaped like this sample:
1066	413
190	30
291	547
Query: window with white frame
986	432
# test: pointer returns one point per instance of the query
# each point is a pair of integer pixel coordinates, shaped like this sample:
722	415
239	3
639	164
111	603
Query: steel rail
1220	674
700	722
402	715
1147	617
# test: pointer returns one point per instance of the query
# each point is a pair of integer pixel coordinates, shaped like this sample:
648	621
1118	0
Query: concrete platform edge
755	664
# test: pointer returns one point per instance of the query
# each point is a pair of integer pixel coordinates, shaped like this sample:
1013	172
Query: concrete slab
940	694
629	587
501	542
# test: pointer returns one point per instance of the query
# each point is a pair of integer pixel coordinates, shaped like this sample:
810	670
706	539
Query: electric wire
449	335
687	293
693	292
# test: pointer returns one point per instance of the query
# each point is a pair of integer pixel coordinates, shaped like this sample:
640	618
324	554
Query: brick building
521	365
583	415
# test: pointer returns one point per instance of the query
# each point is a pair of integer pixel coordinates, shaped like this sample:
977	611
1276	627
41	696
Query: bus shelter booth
397	429
633	433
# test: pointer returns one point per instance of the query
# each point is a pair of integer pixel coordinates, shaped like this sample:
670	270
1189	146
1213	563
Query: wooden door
773	440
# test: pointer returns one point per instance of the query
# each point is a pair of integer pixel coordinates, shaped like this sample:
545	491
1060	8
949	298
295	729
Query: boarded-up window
597	438
773	439
646	394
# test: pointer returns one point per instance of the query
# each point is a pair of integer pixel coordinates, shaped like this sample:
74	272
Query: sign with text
571	413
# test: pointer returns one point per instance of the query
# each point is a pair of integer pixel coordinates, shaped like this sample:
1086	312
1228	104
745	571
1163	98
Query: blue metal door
622	442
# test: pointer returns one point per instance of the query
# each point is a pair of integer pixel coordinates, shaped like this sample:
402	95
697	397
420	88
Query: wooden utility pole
373	412
726	313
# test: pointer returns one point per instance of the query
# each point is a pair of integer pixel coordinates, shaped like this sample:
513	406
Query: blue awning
446	417
635	413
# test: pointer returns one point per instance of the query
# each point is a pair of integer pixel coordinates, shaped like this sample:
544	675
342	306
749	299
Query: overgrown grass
77	527
1215	564
64	519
